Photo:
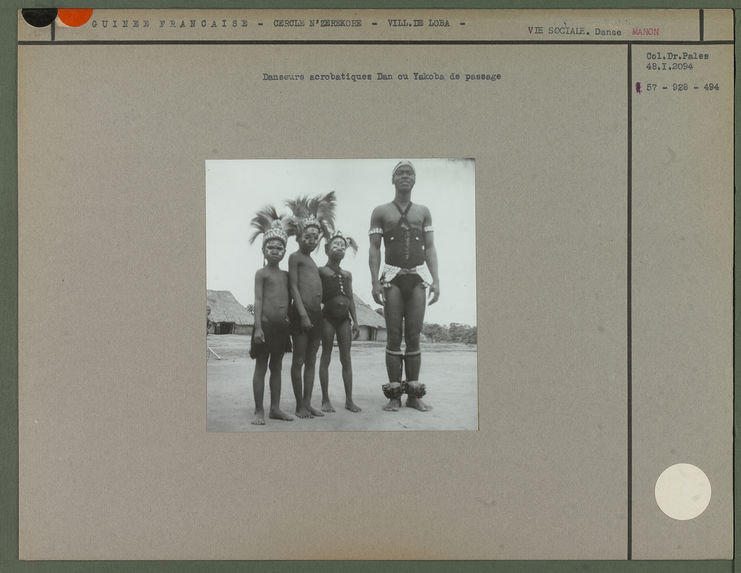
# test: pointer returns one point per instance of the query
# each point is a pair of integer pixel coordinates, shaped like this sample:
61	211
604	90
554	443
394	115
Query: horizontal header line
368	42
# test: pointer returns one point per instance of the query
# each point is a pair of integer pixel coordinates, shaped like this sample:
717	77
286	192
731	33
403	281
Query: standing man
410	269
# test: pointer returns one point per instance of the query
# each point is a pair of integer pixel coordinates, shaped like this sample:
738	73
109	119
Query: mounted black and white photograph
341	295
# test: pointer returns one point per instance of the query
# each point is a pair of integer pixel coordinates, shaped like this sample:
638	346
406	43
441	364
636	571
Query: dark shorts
407	284
277	341
315	316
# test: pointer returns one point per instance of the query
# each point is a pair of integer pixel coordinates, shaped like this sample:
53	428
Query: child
270	336
339	317
305	313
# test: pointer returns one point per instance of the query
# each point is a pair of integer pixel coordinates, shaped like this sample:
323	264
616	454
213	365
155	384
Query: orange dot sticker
74	17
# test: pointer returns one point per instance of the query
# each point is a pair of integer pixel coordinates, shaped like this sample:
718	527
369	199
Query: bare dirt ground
448	370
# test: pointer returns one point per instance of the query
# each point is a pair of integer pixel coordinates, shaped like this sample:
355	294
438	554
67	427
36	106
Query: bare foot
393	405
279	414
350	405
413	402
259	419
327	406
313	411
302	412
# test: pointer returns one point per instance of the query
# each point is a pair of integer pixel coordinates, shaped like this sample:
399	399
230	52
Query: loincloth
390	272
405	281
277	340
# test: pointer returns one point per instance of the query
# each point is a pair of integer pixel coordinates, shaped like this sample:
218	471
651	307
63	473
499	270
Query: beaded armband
428	229
376	231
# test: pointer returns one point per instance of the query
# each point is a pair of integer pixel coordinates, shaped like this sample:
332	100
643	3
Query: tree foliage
453	332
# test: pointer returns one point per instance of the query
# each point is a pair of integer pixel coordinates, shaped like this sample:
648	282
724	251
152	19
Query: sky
235	189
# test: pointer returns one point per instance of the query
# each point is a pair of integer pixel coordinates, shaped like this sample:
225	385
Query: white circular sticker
682	491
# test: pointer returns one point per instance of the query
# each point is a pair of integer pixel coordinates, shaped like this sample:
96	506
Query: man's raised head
403	163
403	177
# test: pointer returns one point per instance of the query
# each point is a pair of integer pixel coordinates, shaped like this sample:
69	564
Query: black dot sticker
39	17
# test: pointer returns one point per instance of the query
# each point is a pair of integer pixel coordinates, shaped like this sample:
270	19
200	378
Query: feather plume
324	207
352	243
268	223
292	225
299	207
262	221
320	206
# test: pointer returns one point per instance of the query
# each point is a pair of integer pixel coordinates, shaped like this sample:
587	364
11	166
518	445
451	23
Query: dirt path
448	370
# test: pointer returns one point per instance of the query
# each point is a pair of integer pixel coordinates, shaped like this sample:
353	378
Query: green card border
9	320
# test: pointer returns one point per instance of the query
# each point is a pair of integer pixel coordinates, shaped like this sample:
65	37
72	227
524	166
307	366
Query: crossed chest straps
404	244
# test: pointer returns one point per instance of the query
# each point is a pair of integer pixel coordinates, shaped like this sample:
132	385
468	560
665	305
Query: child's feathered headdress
270	225
330	235
317	211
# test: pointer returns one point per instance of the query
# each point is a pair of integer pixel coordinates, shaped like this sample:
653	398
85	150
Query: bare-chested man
410	269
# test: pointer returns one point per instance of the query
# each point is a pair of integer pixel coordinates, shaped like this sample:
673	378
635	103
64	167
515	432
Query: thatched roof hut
227	315
372	325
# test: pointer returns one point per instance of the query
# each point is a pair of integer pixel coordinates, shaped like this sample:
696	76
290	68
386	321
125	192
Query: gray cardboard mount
604	277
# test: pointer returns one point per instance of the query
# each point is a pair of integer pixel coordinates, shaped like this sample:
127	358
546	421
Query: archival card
346	284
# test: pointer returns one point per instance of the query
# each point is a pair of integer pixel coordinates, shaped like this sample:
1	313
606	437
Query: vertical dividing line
702	25
52	30
734	283
630	302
